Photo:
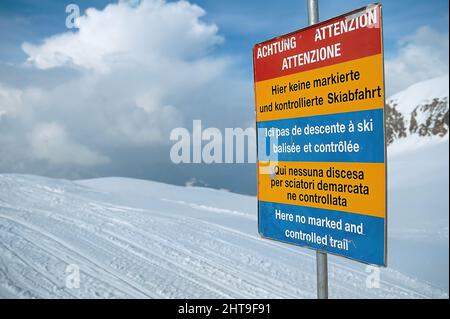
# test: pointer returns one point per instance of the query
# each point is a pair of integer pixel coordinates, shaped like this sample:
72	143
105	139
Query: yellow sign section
351	187
346	87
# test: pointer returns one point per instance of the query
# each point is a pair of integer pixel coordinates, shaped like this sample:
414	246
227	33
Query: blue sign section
355	236
344	137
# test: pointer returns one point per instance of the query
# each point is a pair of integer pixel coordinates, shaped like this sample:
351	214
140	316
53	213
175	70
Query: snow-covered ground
134	238
419	93
418	203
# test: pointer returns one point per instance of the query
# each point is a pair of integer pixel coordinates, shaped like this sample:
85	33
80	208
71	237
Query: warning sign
319	100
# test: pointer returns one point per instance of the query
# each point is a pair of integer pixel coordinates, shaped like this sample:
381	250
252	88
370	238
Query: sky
102	100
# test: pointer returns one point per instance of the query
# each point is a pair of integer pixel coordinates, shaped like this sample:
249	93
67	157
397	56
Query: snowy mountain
137	239
420	110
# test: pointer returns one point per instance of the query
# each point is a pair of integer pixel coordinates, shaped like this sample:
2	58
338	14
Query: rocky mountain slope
420	110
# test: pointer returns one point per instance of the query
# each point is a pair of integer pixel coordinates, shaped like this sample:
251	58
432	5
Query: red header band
338	40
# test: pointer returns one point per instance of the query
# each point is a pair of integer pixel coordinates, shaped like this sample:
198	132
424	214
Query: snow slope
418	208
419	113
419	93
139	239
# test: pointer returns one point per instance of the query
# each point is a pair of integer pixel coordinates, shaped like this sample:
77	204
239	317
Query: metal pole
321	258
313	11
322	275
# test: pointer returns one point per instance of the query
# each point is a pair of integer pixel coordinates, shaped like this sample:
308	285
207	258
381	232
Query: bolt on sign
319	99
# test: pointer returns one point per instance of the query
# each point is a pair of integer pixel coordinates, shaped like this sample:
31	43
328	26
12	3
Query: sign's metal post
313	11
321	258
322	275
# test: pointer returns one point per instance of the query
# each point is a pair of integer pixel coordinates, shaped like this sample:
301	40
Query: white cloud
10	100
138	70
50	142
422	55
144	33
13	100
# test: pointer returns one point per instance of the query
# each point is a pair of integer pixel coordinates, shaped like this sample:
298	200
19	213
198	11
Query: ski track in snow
176	250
